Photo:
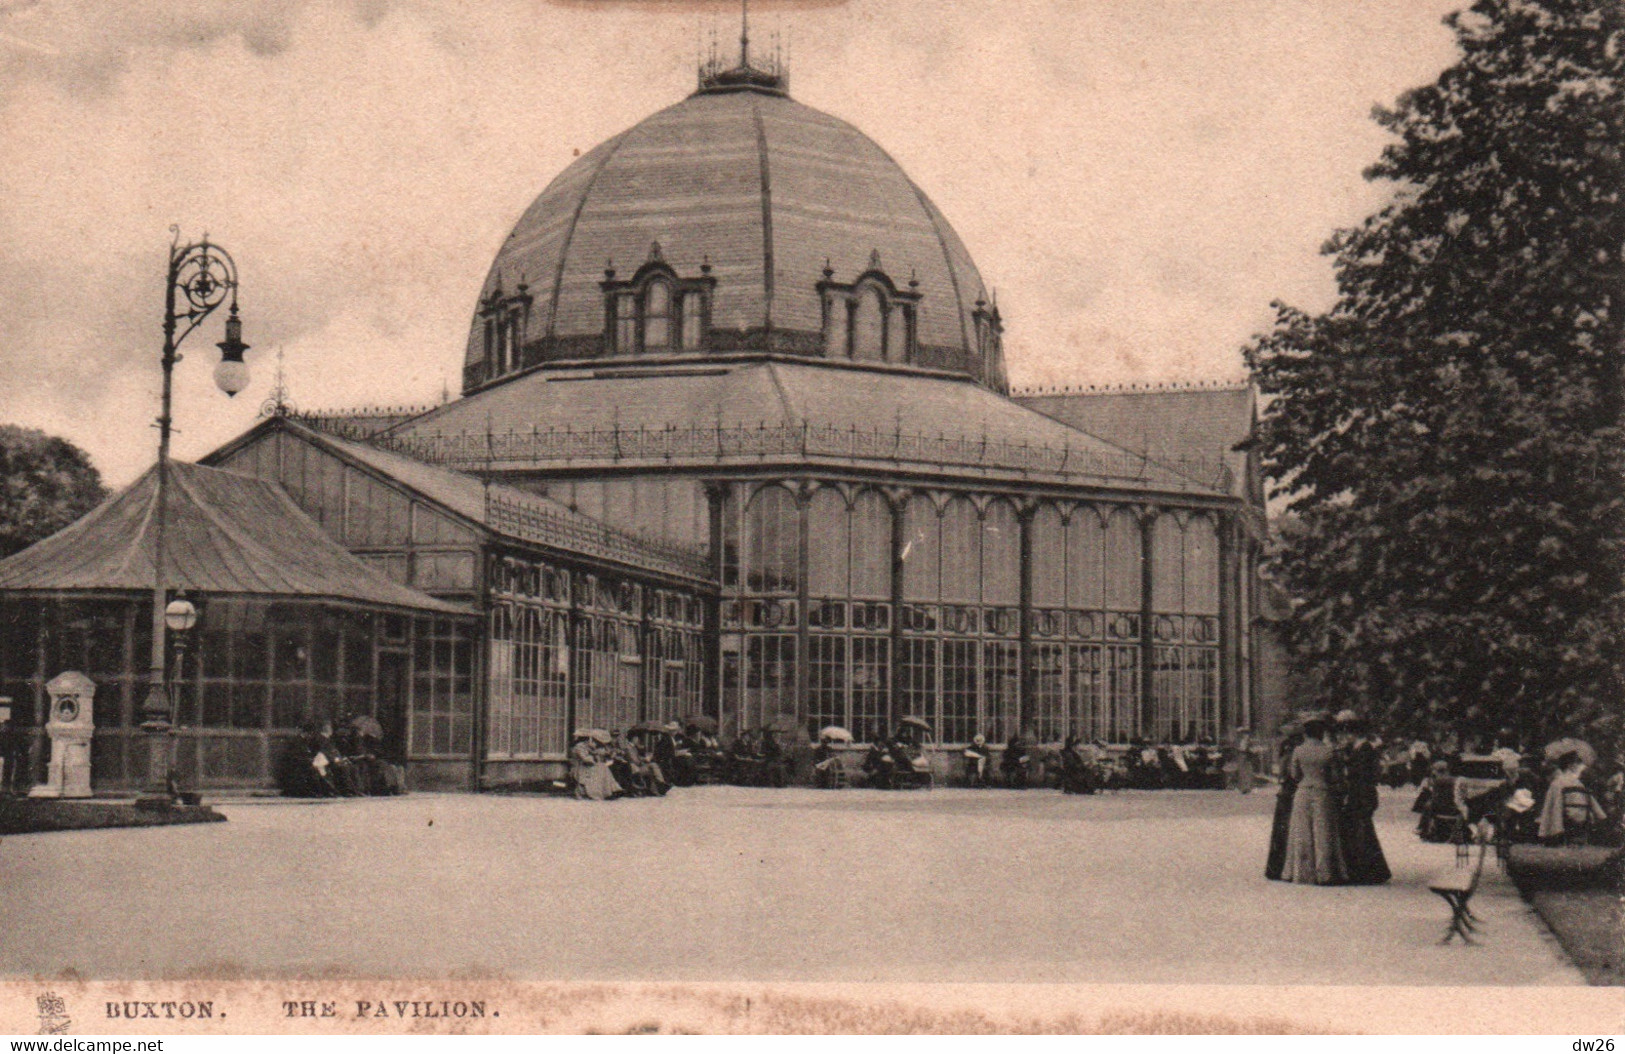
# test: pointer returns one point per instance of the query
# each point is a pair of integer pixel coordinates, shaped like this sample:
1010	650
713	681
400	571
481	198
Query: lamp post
201	277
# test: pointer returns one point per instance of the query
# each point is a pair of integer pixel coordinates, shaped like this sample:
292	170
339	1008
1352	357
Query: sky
1138	179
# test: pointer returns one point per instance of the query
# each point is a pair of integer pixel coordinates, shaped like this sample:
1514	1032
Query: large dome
768	227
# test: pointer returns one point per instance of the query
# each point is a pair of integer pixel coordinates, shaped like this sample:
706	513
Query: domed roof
775	210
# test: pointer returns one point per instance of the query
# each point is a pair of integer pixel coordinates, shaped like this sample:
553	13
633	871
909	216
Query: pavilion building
736	437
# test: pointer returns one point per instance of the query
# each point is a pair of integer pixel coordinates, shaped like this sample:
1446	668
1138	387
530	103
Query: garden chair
1457	887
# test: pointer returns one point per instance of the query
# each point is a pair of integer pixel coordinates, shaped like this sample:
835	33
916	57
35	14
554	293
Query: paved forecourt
724	883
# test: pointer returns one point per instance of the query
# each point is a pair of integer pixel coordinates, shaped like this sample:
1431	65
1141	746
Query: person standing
1283	803
1244	761
1314	852
1367	866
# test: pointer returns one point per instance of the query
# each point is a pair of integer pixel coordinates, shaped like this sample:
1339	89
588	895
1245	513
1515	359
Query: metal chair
1579	812
1457	887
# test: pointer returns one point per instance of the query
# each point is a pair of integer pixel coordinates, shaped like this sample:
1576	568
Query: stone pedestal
70	726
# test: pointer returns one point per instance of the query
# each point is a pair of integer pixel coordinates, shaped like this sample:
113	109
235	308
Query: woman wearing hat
1362	851
1314	850
1290	738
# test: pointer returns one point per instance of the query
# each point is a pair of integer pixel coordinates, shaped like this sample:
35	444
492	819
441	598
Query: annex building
735	437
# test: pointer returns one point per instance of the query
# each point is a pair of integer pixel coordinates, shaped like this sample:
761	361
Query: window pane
656	317
871	546
1049	557
1122	562
1001	555
961	552
693	320
920	549
1084	576
868	326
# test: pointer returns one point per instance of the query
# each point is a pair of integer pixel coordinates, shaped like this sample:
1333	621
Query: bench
1457	887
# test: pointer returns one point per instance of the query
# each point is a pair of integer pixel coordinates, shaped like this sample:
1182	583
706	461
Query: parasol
705	724
1558	747
600	735
837	733
368	726
917	722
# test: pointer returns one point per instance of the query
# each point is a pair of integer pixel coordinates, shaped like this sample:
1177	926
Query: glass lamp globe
180	615
231	376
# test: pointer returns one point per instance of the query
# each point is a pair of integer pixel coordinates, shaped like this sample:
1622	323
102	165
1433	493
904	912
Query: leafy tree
1448	434
45	484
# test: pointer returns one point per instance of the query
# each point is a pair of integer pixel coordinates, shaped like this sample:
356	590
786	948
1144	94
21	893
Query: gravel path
724	883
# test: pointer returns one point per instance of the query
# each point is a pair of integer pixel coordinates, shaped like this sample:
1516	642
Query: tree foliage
45	484
1448	434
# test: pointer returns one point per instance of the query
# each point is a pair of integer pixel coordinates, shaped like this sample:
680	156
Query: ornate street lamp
201	277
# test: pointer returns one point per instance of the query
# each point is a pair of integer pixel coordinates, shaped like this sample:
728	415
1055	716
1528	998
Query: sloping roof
1195	423
509	510
675	416
759	187
224	533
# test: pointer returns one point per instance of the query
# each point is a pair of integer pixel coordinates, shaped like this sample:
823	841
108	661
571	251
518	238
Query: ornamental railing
719	443
539	525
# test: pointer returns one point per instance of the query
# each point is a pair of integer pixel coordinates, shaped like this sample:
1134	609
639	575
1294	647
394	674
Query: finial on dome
654	252
771	77
829	272
874	260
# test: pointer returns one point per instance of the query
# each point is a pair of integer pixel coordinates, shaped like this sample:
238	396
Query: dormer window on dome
505	318
870	319
657	311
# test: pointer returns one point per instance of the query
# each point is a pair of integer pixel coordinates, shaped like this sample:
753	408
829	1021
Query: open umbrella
649	726
368	726
917	722
1568	744
705	724
837	733
600	735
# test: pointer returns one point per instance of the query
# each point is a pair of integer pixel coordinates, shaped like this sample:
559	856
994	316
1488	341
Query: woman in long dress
1283	807
1367	866
1314	852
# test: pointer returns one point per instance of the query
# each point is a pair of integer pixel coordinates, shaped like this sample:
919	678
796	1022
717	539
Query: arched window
921	548
961	553
657	316
1001	555
869	326
1049	557
773	545
827	556
1084	549
871	547
1122	553
1167	564
1201	567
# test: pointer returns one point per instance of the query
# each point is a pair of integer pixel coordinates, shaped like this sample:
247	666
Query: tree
1447	435
45	484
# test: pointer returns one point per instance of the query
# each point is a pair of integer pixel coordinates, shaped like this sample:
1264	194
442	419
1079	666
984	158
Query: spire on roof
771	77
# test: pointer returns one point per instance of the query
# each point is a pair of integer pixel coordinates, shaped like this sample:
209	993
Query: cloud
86	45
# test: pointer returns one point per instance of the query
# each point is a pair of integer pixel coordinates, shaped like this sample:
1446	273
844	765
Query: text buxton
140	1009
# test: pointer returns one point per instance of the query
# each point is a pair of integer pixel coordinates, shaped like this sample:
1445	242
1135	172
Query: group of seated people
1082	766
344	762
899	760
651	758
613	764
1527	800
